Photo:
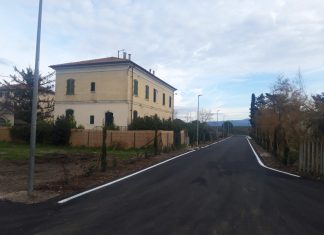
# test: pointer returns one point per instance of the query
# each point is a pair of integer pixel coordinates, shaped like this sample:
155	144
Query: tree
227	127
317	119
205	115
19	93
280	117
253	110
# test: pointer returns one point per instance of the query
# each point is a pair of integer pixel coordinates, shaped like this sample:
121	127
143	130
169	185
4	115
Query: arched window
69	113
135	87
135	114
70	86
109	118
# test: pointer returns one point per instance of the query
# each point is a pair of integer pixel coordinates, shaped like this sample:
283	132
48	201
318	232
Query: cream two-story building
95	91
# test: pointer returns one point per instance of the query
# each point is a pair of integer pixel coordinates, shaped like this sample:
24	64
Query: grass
15	151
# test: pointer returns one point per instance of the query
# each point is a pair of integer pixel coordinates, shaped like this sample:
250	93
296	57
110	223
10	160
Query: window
69	113
135	87
2	121
163	99
155	93
135	114
91	119
70	87
147	92
93	86
170	101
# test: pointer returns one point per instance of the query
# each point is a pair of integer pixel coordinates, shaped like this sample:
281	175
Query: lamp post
198	121
217	125
34	106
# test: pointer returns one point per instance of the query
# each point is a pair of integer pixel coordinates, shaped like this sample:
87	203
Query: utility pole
198	121
34	106
217	125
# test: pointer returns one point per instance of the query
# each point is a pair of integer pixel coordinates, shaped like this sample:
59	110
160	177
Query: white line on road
118	180
216	142
261	163
128	176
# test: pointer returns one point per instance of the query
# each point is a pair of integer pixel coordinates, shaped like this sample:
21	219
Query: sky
223	49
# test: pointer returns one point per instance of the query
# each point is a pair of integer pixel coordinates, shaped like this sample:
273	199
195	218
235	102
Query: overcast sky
225	50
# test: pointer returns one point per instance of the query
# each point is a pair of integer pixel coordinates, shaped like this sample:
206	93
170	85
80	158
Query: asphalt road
216	190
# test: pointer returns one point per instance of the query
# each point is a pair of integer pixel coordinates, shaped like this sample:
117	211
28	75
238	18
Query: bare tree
205	115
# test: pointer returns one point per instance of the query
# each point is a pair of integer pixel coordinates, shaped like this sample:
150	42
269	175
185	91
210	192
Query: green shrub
20	133
43	132
62	130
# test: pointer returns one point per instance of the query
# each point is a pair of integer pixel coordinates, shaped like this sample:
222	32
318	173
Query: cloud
198	47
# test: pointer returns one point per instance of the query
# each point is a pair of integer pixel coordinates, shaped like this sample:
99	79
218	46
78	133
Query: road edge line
120	179
216	142
269	168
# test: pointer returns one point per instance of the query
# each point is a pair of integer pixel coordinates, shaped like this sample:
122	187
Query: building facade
94	91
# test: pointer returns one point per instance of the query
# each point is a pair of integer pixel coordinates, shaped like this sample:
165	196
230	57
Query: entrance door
109	118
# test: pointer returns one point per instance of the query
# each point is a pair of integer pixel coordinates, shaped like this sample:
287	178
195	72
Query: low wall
5	134
120	139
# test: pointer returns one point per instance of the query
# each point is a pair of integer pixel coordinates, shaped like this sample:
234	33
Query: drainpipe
132	93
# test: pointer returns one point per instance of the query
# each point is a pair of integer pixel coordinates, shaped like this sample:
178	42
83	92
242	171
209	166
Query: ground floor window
69	113
2	122
135	114
91	119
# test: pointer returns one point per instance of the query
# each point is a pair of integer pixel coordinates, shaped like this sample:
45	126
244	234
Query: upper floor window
69	113
170	101
93	86
147	92
163	99
70	87
135	87
155	94
91	119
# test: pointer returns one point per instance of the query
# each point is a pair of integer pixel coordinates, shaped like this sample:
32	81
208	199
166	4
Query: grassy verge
15	151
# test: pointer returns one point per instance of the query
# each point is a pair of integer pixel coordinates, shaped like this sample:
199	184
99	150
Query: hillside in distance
243	122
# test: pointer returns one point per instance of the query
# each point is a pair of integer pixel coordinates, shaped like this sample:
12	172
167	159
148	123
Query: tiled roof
91	62
109	60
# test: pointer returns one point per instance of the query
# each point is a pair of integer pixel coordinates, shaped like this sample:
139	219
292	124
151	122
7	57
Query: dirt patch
271	161
59	174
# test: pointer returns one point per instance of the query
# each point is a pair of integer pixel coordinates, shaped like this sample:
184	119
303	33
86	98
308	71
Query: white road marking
131	175
118	180
261	163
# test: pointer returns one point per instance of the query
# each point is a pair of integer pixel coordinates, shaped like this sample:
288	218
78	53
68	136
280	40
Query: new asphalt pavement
220	189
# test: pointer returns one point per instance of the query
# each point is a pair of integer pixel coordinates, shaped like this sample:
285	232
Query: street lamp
32	144
198	121
217	124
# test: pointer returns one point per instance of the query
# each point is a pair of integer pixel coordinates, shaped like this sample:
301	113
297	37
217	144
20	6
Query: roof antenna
120	51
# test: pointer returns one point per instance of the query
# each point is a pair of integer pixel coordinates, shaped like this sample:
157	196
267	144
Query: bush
20	133
43	132
62	130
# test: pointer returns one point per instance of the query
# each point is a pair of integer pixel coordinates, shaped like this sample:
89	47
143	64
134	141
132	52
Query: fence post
88	138
322	158
305	156
300	157
318	163
308	156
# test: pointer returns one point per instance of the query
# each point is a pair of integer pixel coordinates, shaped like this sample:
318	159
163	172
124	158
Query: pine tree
19	93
